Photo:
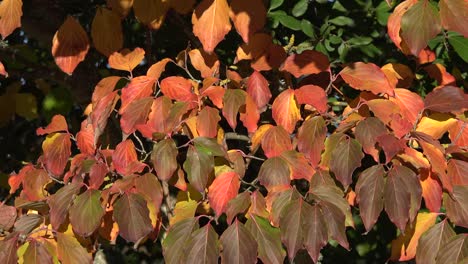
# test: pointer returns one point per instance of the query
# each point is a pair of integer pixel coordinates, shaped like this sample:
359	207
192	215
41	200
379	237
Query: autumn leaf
206	64
123	7
57	150
151	12
308	62
410	104
57	124
257	88
158	68
101	113
211	23
367	132
125	159
248	17
453	16
178	88
275	141
177	237
10	16
367	77
394	21
274	172
312	95
106	31
285	110
60	202
164	158
420	24
268	238
70	251
345	159
203	246
86	212
126	60
132	215
3	71
85	138
69	45
370	194
239	246
311	139
446	99
432	240
233	99
251	115
223	189
207	122
135	114
198	166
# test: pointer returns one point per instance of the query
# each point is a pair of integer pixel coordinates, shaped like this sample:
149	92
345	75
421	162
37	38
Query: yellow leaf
183	210
436	124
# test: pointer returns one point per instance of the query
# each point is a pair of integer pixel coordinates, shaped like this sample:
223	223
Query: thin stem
141	144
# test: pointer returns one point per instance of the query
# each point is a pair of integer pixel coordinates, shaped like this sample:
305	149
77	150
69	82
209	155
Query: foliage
264	150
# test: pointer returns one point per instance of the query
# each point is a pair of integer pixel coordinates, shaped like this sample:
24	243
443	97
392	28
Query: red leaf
164	158
446	99
104	87
275	141
207	122
7	216
126	60
257	88
157	120
315	231
431	191
298	165
216	94
211	23
390	145
135	114
274	172
223	189
60	202
251	115
248	17
86	212
370	191
132	215
233	99
400	126
101	113
345	159
239	246
125	159
139	87
69	45
308	62
285	110
34	182
453	15
85	139
3	71
410	104
311	137
178	88
458	133
367	132
57	150
58	124
367	77
312	95
97	173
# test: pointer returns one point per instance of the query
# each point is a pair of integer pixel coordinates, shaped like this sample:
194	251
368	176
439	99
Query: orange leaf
57	124
104	87
286	110
367	77
257	137
446	99
70	45
15	180
211	22
85	138
216	94
257	88
101	113
233	99
383	109
135	114
298	165
248	17
10	16
404	247
259	43
431	191
308	62
207	64
312	95
158	68
139	87
150	12
439	72
398	75
207	122
157	121
178	88
223	189
394	21
57	150
453	15
125	159
275	141
106	31
458	133
426	56
410	104
126	60
436	124
2	70
251	115
34	182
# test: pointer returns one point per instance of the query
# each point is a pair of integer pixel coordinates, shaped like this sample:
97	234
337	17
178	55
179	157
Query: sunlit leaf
132	215
420	24
85	138
275	141
453	16
70	251
457	171
58	124
178	88
10	16
183	210
248	17
438	72
370	191
164	158
394	21
330	145
285	110
399	75
274	172
345	159
257	88
404	246
409	103
104	87
126	60
312	95
431	241
250	115
106	31
158	68
138	88
239	246
69	45
2	70
367	77
268	238
431	191
211	22
223	189
101	113
308	62
177	238
206	64
203	246
125	158
298	165
136	113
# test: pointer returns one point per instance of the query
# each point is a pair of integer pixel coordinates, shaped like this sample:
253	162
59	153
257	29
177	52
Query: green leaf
203	246
300	8
420	24
132	215
359	41
275	3
308	28
239	246
460	45
342	21
86	212
176	239
198	166
210	146
290	22
345	159
268	238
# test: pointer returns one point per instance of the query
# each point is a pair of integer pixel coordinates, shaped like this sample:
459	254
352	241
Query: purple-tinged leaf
203	246
278	200
431	241
7	216
176	239
37	253
345	159
315	230
311	139
268	238
27	223
291	225
370	190
457	207
335	224
132	215
274	172
8	248
60	202
239	246
198	166
367	132
149	186
164	158
233	99
454	251
238	205
86	212
446	99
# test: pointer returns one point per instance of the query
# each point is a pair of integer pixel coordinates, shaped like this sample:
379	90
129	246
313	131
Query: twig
235	136
143	151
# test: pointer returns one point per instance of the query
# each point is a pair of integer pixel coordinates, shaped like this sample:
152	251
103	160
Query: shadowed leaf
132	215
60	202
431	241
86	212
164	158
198	166
268	238
203	246
177	238
239	246
370	191
345	159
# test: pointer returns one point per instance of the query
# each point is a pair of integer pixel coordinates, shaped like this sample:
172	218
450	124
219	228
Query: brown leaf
151	12
446	99
106	31
211	23
10	16
308	62
70	45
248	17
453	15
